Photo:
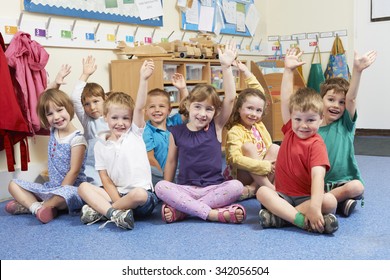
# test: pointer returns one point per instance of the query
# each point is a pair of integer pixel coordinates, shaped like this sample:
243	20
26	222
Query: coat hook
135	32
20	20
96	31
47	28
220	40
72	30
116	33
169	36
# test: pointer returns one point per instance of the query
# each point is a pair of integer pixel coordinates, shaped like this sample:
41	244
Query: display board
140	12
234	17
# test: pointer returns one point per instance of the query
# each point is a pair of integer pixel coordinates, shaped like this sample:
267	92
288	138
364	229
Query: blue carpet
365	235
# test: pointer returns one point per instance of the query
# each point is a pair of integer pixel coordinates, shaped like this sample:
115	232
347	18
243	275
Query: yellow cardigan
236	137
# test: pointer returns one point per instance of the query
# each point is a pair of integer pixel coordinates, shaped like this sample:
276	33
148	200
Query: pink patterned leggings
199	201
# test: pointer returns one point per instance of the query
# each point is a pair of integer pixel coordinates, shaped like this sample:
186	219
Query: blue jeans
148	207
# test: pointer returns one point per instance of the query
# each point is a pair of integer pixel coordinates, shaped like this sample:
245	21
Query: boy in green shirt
343	179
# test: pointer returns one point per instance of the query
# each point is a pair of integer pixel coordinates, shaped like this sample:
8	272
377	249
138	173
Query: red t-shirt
295	160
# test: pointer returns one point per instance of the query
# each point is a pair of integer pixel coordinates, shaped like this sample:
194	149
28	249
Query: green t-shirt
339	137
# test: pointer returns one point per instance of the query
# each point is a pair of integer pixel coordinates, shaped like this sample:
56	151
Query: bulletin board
240	7
108	10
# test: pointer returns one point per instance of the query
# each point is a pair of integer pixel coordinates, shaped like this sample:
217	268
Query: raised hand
362	62
292	59
229	54
178	81
147	69
89	66
64	71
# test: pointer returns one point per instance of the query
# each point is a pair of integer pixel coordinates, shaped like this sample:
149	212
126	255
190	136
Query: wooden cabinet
271	84
125	74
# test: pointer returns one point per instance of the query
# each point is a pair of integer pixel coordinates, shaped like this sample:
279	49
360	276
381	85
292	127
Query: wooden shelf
125	74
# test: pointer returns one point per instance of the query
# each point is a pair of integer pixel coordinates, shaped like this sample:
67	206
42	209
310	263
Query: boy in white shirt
122	162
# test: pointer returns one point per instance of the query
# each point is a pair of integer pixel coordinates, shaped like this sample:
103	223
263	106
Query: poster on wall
140	12
380	10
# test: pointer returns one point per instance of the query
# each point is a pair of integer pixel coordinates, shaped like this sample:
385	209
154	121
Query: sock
299	220
34	207
109	212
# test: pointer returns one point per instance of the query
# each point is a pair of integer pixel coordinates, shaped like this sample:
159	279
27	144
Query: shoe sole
46	214
349	207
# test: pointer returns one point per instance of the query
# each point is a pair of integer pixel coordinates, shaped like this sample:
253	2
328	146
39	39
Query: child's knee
83	188
248	149
329	203
140	195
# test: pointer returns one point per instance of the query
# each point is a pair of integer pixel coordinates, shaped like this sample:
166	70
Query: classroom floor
365	235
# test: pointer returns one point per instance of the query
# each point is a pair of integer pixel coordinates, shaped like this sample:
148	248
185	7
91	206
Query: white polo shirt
126	160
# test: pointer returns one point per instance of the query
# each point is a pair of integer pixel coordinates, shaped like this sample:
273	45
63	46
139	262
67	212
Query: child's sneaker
15	208
267	219
90	216
45	214
346	207
122	219
331	223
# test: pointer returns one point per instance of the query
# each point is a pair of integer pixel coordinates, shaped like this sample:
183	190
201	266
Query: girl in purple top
201	190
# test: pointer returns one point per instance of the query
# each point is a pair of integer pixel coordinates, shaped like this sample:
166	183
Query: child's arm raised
359	64
250	79
59	80
180	83
145	72
291	62
226	59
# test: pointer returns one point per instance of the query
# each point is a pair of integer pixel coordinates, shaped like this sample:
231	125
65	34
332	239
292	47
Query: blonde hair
199	93
57	97
240	100
118	98
306	99
92	89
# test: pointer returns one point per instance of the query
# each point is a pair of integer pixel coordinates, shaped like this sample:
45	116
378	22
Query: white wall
374	94
276	17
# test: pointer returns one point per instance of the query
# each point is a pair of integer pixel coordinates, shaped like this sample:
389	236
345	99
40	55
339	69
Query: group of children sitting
121	167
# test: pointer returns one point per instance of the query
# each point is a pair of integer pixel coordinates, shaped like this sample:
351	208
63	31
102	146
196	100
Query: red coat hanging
13	126
27	59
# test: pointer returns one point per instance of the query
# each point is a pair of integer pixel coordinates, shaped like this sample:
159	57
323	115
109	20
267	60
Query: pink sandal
176	215
232	213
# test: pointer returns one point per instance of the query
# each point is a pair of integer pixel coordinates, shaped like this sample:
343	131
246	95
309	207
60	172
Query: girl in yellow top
250	153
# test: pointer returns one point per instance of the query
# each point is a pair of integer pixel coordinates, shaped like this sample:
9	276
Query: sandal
176	215
232	213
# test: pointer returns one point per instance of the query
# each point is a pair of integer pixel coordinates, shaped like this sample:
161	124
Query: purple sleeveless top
200	156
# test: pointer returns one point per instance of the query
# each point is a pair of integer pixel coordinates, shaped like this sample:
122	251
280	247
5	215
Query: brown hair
241	99
59	98
199	93
339	85
92	89
118	98
306	99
